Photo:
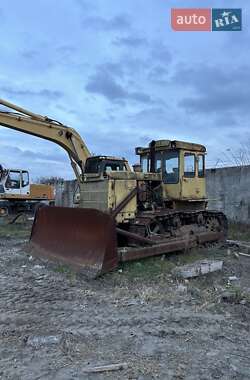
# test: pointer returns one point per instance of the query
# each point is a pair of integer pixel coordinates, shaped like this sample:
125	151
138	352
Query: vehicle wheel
213	224
4	211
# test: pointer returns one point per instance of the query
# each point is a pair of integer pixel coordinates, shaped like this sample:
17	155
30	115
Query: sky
117	73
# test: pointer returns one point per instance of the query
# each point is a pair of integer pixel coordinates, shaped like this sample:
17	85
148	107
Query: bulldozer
122	214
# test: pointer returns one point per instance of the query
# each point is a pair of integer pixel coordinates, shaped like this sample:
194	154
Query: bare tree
235	157
50	180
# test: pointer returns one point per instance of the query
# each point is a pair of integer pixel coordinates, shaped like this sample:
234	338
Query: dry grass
17	230
239	231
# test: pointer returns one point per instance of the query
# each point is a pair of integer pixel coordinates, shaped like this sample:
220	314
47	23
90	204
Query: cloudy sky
117	73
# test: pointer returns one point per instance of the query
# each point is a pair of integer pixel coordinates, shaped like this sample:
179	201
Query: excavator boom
41	126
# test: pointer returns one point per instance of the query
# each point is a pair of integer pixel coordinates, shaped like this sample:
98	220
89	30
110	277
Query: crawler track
168	231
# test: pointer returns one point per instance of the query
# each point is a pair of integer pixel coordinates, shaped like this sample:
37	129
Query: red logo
191	19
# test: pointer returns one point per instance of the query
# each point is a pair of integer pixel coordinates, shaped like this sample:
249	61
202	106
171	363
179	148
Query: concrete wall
228	190
65	193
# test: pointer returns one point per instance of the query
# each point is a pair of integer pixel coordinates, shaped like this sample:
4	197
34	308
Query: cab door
171	174
13	182
25	183
193	175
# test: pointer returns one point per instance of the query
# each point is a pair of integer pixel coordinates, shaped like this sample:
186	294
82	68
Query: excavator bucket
84	239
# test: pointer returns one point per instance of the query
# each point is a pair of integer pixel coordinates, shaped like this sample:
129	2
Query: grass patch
159	266
234	294
15	231
62	269
239	231
147	268
188	257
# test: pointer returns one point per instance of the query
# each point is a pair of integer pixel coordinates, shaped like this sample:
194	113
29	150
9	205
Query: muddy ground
54	324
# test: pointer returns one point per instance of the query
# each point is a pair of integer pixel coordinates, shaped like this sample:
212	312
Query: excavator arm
41	126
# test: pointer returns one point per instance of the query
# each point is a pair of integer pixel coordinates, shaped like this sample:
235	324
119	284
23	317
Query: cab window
92	165
14	180
158	163
171	167
189	165
25	178
97	165
144	164
114	166
201	165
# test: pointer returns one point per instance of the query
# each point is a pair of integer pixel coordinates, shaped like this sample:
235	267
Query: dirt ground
54	324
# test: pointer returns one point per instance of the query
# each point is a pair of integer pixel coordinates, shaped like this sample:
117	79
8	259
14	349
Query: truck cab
15	181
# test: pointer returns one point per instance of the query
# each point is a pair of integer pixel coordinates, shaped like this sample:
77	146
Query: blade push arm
48	129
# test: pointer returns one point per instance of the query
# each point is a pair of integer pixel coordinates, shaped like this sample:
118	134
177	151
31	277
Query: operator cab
182	166
102	165
17	181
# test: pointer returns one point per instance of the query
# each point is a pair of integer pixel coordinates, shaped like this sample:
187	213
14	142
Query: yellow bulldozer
123	214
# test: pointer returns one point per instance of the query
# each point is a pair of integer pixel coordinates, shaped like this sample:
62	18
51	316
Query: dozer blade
84	239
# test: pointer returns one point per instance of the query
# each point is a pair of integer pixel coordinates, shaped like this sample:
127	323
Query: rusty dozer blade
84	239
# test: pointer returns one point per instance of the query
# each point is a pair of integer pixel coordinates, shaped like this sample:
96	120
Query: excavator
122	214
19	196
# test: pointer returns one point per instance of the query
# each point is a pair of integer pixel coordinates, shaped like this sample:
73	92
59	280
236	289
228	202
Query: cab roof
171	145
112	158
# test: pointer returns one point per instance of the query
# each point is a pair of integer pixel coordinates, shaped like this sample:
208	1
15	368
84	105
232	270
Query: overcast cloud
118	74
